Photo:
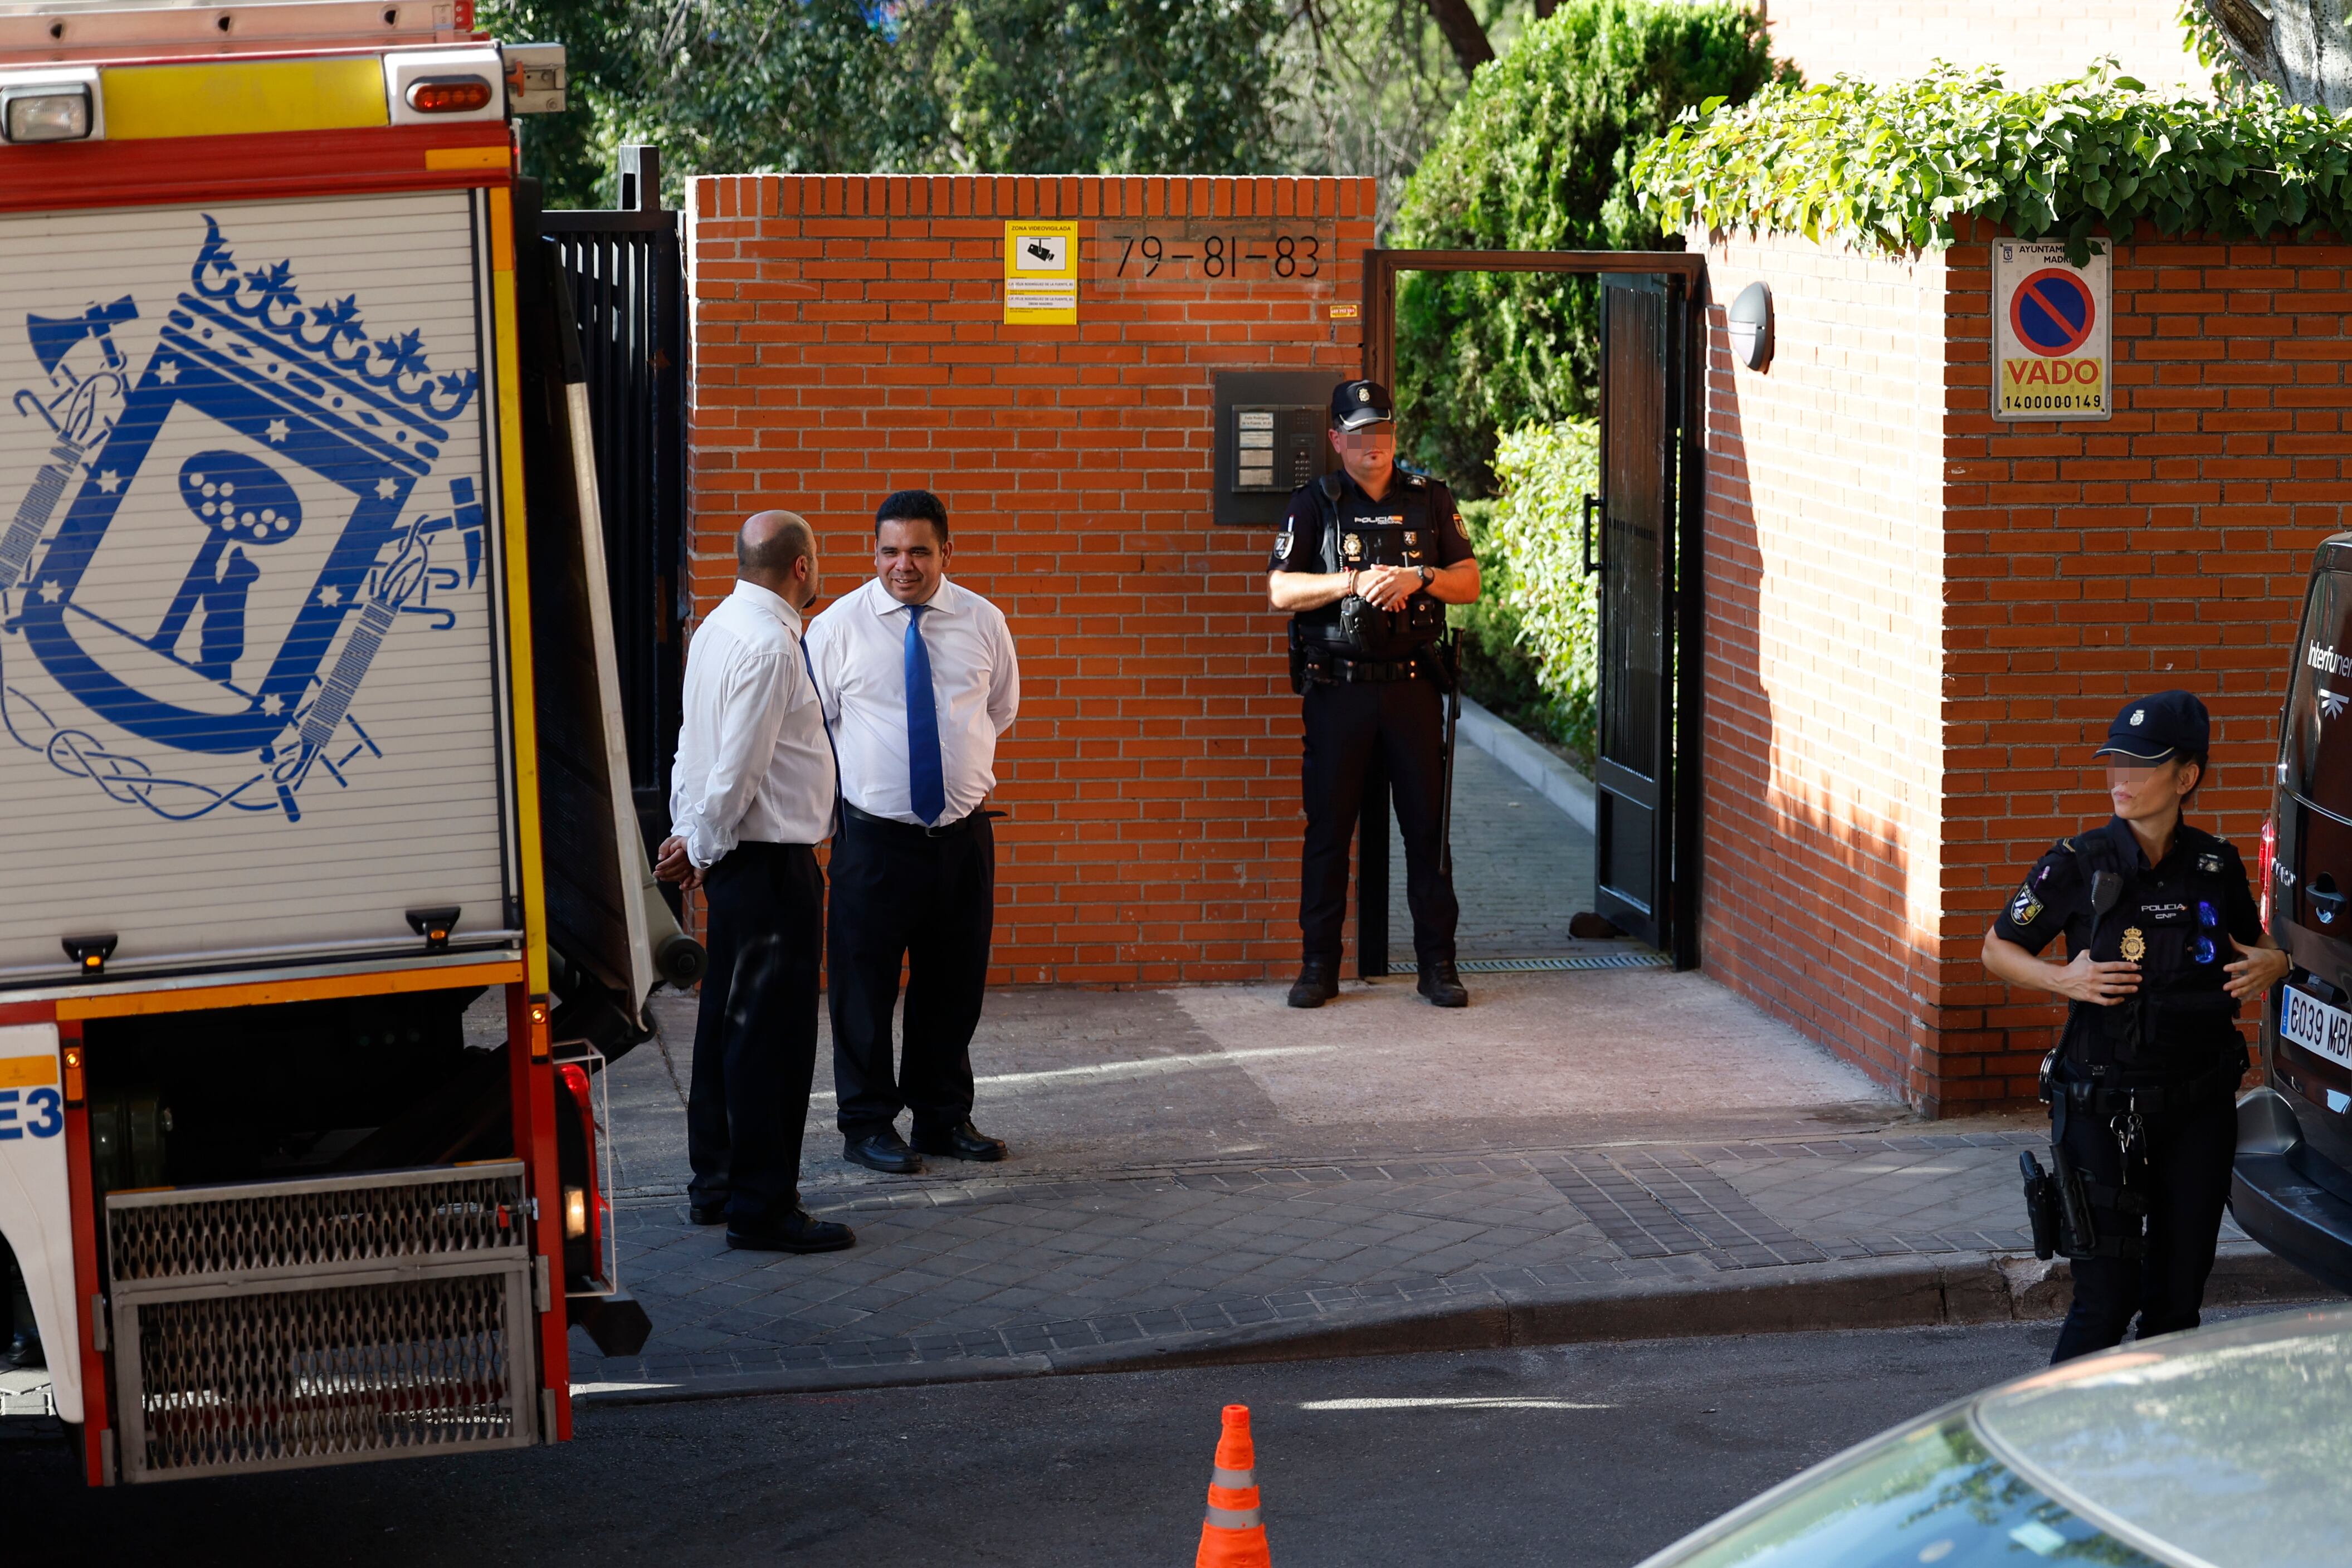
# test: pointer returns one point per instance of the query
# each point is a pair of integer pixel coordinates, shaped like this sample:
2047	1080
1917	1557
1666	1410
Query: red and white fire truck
320	882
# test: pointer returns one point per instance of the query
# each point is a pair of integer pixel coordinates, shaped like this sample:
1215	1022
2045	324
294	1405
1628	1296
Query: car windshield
1935	1495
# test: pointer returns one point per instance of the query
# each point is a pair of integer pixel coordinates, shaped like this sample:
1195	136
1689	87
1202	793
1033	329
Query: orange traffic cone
1232	1537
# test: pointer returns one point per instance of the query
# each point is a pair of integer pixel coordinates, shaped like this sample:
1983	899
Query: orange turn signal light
72	1054
449	95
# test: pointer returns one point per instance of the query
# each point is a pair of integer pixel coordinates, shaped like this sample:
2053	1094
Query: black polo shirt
2056	893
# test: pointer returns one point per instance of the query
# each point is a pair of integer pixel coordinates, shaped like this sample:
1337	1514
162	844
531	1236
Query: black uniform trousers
755	1035
904	894
2185	1180
1349	724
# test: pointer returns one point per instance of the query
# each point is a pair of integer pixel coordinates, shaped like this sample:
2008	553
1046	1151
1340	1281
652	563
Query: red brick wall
1908	670
1824	577
2164	548
847	342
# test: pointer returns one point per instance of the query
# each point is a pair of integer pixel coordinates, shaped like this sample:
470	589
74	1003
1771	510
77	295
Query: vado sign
2050	331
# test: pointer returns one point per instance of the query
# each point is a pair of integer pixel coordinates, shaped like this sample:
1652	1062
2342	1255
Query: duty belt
1336	669
2096	1099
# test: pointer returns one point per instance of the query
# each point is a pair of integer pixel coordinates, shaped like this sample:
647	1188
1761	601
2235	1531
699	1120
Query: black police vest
2179	935
1357	532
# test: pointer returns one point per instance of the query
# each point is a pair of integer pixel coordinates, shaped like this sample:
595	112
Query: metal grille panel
310	1377
190	1233
272	1325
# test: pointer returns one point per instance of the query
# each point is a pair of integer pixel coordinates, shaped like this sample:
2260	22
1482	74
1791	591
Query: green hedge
1536	157
1527	643
1889	167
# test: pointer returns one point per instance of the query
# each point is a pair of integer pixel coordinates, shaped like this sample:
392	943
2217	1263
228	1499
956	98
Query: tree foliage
1891	167
912	85
1536	157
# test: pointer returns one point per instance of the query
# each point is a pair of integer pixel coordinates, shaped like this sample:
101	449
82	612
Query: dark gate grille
627	285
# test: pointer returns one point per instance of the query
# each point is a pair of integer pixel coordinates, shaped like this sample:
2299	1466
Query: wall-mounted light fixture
1751	323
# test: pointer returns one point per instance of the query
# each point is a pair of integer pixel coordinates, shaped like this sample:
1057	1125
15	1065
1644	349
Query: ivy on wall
1891	167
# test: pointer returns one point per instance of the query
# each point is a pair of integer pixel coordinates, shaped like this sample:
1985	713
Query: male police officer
1367	561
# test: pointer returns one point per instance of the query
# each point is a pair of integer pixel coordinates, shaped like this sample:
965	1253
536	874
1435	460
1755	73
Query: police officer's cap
2158	728
1355	404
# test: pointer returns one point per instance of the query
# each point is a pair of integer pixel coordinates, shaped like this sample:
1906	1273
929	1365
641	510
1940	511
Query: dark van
2293	1186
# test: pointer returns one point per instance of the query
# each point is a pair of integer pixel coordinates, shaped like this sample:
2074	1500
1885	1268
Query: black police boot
1442	986
1317	982
23	1351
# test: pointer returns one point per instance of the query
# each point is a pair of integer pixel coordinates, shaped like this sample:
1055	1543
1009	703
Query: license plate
2319	1029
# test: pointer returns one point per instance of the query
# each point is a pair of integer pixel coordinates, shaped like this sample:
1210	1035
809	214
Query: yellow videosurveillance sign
1041	273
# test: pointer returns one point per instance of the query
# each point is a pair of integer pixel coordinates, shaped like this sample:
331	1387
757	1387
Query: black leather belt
1334	669
963	824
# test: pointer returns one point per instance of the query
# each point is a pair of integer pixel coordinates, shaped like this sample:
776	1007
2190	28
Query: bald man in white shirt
752	796
919	679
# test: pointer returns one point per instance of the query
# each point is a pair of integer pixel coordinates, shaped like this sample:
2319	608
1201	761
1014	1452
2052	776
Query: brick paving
1522	867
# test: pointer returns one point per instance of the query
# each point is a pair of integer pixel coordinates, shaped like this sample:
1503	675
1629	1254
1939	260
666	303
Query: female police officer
2142	1084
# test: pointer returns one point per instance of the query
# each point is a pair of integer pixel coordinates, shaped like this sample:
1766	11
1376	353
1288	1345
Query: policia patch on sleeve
2024	909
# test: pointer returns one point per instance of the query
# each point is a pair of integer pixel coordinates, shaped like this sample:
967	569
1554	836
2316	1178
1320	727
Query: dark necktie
927	779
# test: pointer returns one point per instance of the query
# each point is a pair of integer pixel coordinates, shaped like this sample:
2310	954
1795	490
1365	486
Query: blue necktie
926	777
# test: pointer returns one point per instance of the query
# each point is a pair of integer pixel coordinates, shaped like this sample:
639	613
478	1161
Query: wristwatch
1427	576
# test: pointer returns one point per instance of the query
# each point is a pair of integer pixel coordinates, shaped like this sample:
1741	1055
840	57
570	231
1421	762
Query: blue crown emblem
272	422
332	333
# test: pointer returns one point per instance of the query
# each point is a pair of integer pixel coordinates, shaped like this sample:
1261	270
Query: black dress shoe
1317	982
883	1151
1443	986
960	1142
707	1212
794	1231
24	1352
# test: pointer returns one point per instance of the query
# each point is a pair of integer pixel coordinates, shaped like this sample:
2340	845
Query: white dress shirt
859	646
753	763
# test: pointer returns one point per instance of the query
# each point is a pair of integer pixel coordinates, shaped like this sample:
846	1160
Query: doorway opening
1555	867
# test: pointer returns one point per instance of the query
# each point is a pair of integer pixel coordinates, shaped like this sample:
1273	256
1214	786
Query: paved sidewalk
1198	1166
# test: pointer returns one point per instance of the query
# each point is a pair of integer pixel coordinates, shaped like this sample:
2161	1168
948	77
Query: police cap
1355	404
2158	728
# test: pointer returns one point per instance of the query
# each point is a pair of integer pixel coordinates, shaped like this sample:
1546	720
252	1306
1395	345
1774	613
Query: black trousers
900	895
1401	723
2186	1181
755	1035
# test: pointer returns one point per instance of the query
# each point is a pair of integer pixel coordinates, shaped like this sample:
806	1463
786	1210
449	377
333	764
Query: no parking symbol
2050	333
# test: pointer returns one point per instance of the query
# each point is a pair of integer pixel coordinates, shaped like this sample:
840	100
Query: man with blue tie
918	679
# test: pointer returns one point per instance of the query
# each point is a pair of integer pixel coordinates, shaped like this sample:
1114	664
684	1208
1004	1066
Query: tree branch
1460	25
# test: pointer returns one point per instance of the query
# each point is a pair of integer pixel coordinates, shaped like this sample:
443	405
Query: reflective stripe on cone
1232	1535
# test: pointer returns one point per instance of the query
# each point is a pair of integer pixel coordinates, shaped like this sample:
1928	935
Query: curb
1867	1293
1546	775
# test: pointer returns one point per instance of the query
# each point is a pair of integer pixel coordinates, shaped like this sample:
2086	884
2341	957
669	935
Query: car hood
2229	1446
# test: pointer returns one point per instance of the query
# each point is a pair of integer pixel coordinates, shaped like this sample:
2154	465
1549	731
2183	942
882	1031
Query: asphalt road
1562	1455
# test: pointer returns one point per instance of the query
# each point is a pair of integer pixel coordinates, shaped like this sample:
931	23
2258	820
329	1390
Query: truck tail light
2266	865
584	1206
449	95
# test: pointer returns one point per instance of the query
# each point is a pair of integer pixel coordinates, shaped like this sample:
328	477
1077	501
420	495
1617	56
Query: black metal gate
627	279
1634	771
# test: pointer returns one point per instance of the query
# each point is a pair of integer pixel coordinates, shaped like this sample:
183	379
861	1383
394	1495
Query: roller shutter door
249	613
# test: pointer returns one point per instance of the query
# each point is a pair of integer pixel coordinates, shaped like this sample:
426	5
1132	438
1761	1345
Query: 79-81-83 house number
1216	251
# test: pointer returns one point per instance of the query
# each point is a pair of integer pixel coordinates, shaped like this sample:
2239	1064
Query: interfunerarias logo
193	633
